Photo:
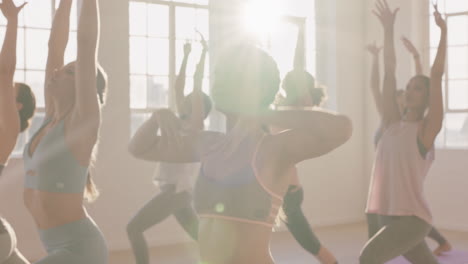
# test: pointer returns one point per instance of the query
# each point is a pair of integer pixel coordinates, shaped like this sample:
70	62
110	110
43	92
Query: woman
245	173
174	180
404	155
58	156
17	105
300	94
443	244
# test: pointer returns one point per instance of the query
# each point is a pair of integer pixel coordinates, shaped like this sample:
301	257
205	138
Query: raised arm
390	111
435	115
308	134
180	81
414	52
198	109
300	52
172	145
58	41
87	106
375	77
9	119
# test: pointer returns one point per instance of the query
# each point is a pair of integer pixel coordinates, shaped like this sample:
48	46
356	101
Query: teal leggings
78	242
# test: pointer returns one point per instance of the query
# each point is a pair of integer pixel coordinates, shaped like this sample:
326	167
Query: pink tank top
397	184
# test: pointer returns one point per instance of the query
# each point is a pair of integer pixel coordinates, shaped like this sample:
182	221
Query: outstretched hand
10	10
373	49
409	46
187	48
203	41
383	12
440	21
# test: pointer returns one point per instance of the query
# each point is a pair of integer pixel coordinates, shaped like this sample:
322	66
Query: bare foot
442	249
326	257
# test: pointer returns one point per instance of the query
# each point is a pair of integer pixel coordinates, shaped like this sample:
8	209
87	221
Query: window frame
172	63
24	137
442	142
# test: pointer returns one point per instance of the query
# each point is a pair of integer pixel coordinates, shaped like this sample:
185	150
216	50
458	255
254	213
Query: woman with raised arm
300	94
246	172
174	180
405	151
17	105
443	244
58	157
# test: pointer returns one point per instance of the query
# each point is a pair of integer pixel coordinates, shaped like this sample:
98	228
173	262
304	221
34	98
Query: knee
133	229
367	257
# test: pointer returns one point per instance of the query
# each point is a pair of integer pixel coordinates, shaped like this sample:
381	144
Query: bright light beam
261	17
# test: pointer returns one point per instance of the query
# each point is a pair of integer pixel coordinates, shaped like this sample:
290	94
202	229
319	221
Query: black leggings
373	226
393	236
296	221
163	205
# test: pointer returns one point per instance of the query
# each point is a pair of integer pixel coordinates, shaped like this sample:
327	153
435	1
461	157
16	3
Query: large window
158	32
455	130
33	34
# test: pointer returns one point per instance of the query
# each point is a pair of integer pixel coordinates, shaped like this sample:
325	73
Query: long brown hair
28	101
92	192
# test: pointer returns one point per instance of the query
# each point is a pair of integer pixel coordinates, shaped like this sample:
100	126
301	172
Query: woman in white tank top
404	155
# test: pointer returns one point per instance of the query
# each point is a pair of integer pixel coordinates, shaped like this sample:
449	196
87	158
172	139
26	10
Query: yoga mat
452	257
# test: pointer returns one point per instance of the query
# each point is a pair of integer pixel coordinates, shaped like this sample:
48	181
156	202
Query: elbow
134	150
344	130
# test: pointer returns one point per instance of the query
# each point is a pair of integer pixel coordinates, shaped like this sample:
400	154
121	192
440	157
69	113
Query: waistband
70	232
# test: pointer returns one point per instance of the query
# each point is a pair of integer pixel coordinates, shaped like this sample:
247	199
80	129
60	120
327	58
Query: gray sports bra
52	167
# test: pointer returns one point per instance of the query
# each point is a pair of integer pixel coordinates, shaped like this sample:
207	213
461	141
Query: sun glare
261	17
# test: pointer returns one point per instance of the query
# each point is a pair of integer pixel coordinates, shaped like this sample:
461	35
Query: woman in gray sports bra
244	173
17	105
58	156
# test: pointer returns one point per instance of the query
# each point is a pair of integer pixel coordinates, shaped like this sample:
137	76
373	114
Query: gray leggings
167	203
78	242
9	253
396	236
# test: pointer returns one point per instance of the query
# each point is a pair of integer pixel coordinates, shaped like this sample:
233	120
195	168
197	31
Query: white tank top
181	175
397	185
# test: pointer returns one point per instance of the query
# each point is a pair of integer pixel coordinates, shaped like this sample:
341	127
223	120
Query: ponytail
91	191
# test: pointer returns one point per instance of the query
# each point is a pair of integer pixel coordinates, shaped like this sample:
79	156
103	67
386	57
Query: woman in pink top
404	155
373	225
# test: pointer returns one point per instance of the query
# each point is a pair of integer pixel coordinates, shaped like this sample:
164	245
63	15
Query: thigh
7	242
397	237
154	211
186	216
16	258
184	211
373	225
92	250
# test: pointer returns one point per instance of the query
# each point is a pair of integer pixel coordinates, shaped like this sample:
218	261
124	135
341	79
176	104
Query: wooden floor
345	241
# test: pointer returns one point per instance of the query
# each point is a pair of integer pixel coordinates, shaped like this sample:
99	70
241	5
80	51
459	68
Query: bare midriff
50	210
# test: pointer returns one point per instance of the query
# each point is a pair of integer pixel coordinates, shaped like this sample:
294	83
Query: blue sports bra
239	195
52	167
